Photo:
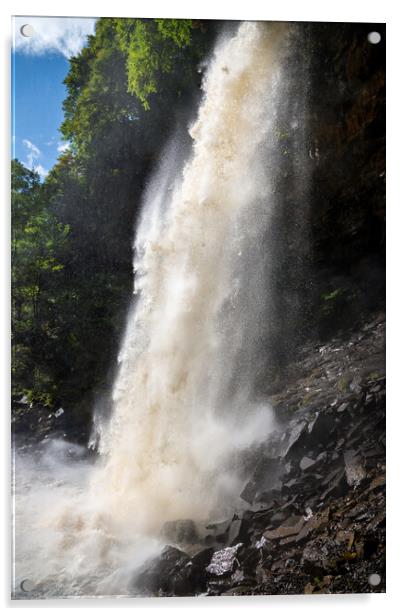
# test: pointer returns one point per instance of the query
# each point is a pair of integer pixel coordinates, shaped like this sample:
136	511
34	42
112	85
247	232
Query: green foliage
37	239
332	295
97	92
128	65
343	383
153	48
331	302
72	234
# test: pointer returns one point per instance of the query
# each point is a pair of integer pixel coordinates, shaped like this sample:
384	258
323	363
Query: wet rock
337	486
234	531
263	574
355	385
180	532
355	472
261	543
318	431
285	530
308	514
237	532
378	482
196	569
280	516
165	574
289	485
268	497
378	520
265	481
223	561
249	492
322	457
238	580
316	522
315	557
238	591
294	436
306	463
218	531
345	538
369	548
246	562
320	586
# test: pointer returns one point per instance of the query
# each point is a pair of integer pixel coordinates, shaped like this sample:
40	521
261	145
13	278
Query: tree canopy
72	234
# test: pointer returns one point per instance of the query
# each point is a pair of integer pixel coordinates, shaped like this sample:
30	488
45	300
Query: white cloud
63	147
64	35
41	171
33	153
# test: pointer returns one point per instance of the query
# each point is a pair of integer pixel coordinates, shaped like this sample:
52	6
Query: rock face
166	574
223	561
314	517
329	266
347	218
180	531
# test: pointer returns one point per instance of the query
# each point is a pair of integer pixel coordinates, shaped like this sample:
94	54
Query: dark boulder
181	532
355	471
217	532
238	531
223	561
167	574
265	482
196	569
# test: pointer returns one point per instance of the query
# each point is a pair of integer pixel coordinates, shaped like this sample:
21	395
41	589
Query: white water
184	403
178	414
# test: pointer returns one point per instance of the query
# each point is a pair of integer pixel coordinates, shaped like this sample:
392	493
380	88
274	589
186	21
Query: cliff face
347	132
327	233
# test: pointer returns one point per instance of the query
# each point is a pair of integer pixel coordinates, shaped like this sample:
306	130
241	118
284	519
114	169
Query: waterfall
183	405
186	406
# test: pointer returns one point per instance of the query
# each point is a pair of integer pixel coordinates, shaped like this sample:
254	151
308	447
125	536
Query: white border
296	10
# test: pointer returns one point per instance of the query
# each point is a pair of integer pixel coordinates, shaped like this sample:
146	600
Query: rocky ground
314	520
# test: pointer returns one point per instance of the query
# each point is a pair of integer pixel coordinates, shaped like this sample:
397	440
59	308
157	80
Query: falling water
182	399
185	403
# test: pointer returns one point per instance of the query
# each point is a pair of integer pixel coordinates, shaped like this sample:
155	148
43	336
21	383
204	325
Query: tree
72	250
37	238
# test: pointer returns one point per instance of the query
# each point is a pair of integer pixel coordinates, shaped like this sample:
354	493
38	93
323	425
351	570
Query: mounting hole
374	579
374	38
27	30
27	585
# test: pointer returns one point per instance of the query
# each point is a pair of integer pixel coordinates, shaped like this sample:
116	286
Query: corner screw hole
374	579
27	30
374	38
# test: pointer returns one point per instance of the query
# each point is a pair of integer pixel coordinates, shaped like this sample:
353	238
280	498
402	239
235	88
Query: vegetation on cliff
72	234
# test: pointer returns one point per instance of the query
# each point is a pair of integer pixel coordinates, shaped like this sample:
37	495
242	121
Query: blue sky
40	64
